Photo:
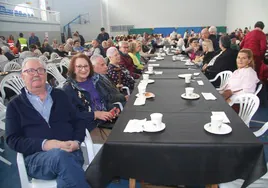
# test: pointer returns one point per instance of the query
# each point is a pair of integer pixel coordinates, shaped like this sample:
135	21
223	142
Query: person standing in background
11	42
33	39
22	40
82	40
256	41
103	35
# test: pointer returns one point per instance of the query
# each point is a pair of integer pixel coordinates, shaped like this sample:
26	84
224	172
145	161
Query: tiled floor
9	177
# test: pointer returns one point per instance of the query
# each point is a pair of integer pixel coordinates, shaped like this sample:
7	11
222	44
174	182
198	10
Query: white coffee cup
141	89
150	69
145	76
161	50
189	91
156	119
174	58
188	78
158	54
216	122
69	53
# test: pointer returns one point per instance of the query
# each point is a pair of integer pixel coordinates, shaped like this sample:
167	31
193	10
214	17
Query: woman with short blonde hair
132	50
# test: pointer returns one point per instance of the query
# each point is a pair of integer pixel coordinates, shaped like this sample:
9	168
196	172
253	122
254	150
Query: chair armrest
120	105
22	171
126	88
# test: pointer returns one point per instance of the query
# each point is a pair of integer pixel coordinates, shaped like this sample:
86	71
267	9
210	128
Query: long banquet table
183	153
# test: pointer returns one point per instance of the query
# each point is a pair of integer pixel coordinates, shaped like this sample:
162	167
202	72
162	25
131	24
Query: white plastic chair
224	76
52	69
2	126
37	183
258	89
54	56
11	66
248	105
127	89
65	62
260	183
12	81
43	58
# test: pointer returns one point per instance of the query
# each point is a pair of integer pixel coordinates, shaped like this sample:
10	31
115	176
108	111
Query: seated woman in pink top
244	79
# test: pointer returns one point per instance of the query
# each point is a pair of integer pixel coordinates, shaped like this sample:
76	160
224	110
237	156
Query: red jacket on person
127	62
256	41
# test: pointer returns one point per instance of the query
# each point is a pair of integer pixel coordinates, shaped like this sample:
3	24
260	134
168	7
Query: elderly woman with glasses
83	90
119	75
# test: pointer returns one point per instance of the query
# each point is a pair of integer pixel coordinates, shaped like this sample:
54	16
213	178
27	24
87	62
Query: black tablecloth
172	73
168	63
183	153
168	97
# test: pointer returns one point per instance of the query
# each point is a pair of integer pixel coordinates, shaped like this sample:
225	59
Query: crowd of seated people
93	85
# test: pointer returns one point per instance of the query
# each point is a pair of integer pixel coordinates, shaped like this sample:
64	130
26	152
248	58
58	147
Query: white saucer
147	72
170	54
224	129
159	58
148	81
148	127
152	60
183	75
149	95
193	96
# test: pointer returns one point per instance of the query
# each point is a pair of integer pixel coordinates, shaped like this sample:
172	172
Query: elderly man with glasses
42	125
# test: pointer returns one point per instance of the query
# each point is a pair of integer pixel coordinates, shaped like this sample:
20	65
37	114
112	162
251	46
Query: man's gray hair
5	49
25	61
94	58
121	43
212	30
69	40
110	52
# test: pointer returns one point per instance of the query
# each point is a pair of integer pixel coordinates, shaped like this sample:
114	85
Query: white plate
147	81
149	95
193	96
152	60
224	129
147	72
183	75
148	127
170	54
159	58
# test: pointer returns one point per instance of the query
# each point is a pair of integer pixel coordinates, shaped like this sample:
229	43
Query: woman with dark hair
81	88
225	60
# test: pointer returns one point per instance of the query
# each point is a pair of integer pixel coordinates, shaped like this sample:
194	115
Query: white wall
14	28
169	13
245	13
70	9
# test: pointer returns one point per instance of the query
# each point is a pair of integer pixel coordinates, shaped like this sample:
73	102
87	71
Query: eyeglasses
80	67
32	71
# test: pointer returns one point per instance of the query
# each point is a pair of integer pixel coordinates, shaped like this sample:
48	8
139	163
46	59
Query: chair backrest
43	58
2	114
54	56
248	105
224	76
52	69
65	62
12	81
258	88
11	66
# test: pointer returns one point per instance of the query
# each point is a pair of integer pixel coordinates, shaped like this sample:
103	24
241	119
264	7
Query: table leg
132	183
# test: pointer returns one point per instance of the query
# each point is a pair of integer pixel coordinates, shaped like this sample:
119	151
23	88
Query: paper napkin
135	126
140	101
153	65
200	82
209	96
